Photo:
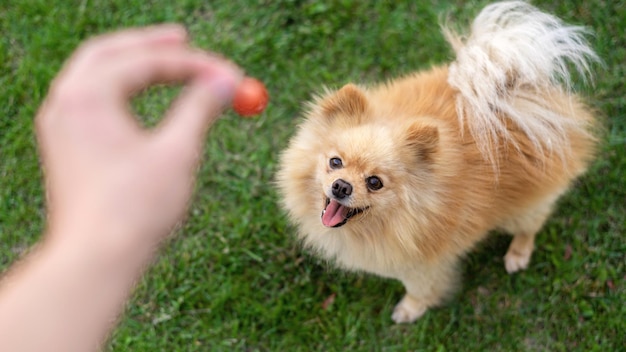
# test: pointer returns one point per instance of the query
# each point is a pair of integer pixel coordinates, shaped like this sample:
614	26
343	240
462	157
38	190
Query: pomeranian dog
409	175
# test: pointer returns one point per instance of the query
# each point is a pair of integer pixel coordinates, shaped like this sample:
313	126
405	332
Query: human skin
114	190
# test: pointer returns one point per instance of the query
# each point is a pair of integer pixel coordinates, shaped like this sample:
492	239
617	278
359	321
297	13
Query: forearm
68	296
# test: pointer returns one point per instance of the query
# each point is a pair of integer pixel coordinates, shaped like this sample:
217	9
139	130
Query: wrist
104	247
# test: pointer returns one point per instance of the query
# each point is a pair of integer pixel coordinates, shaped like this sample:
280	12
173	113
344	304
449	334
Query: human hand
109	182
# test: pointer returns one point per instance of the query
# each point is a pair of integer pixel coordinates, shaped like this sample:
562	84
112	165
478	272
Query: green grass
234	278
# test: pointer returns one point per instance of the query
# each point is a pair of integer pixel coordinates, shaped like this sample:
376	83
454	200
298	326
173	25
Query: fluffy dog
411	174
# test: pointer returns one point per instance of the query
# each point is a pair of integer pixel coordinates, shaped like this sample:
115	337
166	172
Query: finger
105	46
197	108
136	71
99	54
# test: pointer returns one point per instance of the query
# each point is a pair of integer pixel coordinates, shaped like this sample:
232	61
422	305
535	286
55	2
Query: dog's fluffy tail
513	60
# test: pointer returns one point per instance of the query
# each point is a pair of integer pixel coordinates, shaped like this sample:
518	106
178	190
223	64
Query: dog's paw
408	310
515	261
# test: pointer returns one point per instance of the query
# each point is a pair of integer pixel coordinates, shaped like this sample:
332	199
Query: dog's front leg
427	285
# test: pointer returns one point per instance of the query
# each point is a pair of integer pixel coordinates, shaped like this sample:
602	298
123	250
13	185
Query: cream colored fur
458	152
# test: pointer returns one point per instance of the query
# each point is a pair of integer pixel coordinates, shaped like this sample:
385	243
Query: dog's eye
335	163
374	183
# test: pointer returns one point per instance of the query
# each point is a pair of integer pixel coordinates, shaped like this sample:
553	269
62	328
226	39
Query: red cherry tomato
250	98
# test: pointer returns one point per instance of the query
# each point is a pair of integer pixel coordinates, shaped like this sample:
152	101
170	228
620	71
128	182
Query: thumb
201	102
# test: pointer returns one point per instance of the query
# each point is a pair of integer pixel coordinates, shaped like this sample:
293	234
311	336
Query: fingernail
221	87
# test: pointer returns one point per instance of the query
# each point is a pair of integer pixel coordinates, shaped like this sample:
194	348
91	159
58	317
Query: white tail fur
514	57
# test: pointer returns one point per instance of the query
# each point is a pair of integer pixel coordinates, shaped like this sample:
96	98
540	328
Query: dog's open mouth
336	214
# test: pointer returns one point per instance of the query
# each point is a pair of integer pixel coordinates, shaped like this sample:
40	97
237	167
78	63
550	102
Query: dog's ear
424	140
349	101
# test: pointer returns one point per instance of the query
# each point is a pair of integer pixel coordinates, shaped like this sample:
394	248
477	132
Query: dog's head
352	162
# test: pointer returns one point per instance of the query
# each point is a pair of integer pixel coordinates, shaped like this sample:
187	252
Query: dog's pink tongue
334	214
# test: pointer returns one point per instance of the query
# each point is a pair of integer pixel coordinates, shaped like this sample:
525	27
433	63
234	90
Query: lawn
234	278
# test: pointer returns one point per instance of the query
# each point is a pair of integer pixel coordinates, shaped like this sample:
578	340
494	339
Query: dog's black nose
341	189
